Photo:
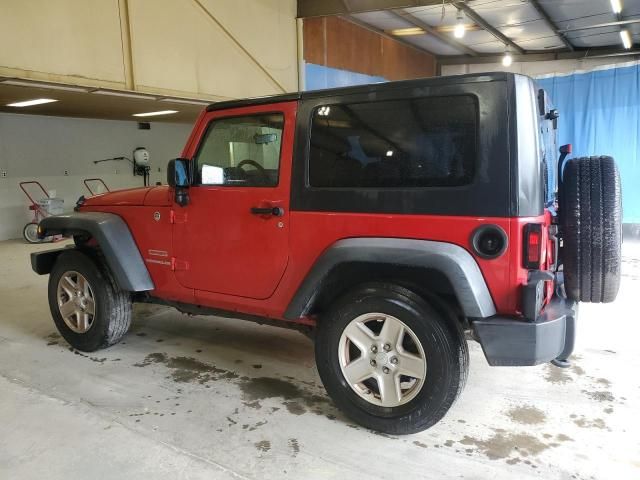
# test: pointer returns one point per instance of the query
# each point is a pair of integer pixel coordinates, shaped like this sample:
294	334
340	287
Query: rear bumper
519	342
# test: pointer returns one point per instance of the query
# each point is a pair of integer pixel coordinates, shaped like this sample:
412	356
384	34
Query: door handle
275	211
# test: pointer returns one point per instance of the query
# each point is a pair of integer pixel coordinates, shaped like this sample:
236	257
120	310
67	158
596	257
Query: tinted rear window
420	142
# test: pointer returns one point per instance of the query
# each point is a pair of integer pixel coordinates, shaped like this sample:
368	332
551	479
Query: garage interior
83	84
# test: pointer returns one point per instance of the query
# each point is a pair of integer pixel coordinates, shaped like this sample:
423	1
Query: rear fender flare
456	263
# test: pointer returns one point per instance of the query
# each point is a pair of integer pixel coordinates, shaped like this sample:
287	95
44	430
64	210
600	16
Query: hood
130	196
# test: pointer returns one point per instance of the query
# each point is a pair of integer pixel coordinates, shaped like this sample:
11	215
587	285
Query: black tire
440	336
591	221
112	305
30	232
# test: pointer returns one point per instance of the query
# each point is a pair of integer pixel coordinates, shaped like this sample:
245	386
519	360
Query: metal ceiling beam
601	25
382	33
321	8
583	54
473	15
550	23
432	31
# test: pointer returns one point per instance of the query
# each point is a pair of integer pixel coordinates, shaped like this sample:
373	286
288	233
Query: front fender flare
453	261
115	240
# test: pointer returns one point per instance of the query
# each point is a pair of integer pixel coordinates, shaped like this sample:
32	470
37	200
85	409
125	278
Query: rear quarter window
412	143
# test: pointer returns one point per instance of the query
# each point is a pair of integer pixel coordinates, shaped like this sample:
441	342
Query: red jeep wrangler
385	219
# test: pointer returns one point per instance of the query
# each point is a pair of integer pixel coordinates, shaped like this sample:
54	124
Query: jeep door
233	236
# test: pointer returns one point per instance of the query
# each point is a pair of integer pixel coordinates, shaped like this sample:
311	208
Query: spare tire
591	222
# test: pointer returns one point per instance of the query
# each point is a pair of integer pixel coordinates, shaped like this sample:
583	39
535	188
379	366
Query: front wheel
390	360
88	307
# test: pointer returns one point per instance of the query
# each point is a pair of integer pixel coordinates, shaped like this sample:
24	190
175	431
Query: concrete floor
196	397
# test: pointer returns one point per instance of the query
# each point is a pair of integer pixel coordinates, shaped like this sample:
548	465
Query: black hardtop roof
368	88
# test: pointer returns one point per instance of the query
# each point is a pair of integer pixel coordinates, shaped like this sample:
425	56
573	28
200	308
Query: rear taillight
532	251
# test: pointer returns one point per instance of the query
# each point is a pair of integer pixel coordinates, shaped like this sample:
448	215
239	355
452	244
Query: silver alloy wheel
76	302
391	366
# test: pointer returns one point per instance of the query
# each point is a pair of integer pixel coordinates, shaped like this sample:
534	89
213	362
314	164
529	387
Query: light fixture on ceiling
626	39
507	60
616	5
403	32
51	86
31	103
389	153
459	29
117	93
153	114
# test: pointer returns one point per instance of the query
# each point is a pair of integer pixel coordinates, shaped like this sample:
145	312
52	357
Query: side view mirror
178	173
178	178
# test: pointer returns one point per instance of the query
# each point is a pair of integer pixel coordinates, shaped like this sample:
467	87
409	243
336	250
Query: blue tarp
600	115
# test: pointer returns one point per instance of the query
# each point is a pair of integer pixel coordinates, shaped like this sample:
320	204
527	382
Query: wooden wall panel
403	62
352	48
338	43
313	40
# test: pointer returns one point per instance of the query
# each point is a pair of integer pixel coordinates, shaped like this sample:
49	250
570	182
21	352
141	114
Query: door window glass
241	151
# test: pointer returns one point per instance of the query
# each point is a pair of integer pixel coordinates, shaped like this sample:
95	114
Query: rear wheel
390	360
88	308
591	220
30	232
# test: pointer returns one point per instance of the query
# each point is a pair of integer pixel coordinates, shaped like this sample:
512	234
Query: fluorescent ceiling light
152	114
31	103
616	6
117	93
402	32
52	86
184	100
626	39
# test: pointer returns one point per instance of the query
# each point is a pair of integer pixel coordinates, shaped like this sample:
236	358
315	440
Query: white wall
42	148
533	69
212	49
